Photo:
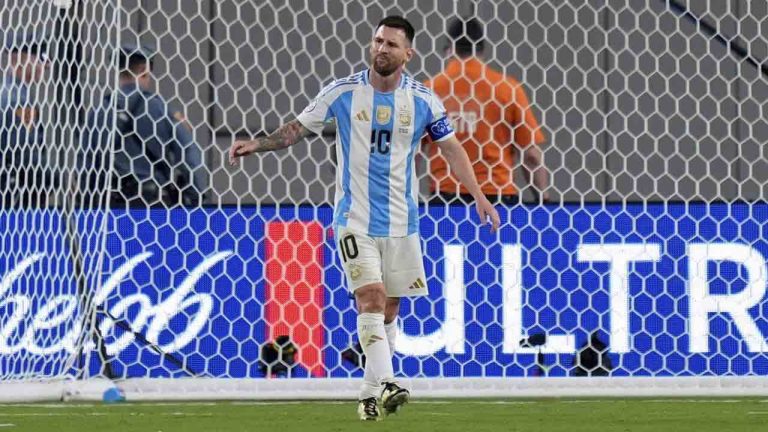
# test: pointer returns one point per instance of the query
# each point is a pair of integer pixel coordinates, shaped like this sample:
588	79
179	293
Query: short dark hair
398	22
466	37
130	64
131	57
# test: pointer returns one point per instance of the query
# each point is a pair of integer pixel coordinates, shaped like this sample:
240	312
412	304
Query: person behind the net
156	159
380	114
24	181
493	120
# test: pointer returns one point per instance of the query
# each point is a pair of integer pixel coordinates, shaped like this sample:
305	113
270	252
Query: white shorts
395	261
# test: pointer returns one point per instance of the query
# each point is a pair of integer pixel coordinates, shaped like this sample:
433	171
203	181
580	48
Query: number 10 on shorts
348	246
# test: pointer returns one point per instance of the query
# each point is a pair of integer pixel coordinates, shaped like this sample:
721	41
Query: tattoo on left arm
286	136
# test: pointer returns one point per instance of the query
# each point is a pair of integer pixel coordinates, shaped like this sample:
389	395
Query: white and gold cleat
368	409
393	398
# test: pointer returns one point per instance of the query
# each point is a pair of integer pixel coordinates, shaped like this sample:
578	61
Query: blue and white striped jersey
376	141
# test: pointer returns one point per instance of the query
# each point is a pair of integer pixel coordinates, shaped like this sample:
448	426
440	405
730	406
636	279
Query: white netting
652	242
57	62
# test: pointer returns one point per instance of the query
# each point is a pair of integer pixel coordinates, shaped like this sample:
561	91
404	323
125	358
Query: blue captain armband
440	129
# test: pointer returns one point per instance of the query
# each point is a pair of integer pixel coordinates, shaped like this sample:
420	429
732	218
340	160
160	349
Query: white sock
391	330
371	387
378	359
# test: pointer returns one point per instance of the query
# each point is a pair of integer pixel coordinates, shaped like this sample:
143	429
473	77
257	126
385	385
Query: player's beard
386	67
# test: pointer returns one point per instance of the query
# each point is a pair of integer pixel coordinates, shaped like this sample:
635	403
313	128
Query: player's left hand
486	211
239	149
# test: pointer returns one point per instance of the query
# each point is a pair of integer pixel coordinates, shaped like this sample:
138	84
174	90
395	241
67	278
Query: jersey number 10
380	141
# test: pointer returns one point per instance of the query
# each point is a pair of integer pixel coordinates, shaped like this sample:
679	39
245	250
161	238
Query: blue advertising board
672	289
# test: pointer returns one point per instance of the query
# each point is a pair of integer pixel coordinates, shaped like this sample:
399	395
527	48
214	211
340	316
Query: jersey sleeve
438	127
319	111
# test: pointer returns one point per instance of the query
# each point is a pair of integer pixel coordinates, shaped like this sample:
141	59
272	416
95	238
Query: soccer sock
378	359
391	330
371	387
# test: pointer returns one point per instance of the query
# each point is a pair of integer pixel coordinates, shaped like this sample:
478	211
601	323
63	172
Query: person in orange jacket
493	120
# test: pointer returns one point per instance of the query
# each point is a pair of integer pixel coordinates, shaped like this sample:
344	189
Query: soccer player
381	115
493	120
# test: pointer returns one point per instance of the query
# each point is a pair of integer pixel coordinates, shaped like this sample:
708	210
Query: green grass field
678	415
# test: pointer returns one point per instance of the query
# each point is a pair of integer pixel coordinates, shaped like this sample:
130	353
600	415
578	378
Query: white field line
683	401
423	402
692	401
269	403
342	402
114	405
58	405
102	414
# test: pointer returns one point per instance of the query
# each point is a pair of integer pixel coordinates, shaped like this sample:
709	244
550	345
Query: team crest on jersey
405	118
383	114
355	272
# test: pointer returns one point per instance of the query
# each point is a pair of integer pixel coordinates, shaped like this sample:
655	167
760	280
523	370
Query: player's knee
371	298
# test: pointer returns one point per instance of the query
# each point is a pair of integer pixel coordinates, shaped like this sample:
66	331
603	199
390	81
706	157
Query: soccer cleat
393	397
368	409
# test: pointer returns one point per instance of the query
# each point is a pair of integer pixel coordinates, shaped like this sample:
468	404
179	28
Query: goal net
133	255
57	63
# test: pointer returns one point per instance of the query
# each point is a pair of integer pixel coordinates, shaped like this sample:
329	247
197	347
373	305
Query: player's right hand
239	149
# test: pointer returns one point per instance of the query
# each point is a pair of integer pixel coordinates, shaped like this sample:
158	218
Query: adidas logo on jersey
363	116
419	284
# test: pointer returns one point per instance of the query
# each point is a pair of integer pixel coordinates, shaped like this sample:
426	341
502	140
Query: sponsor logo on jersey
363	116
418	284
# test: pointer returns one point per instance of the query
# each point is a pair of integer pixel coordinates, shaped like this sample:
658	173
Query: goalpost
645	275
58	62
